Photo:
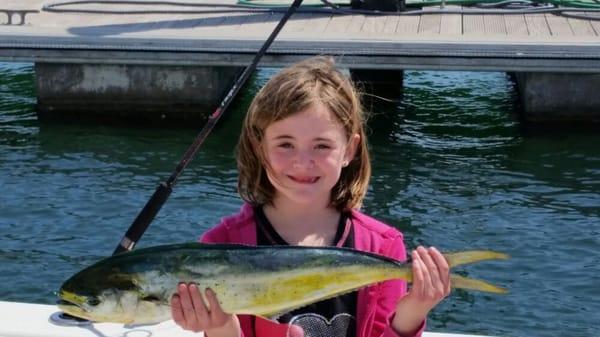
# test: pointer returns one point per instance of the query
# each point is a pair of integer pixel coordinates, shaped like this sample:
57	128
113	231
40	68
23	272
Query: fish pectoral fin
457	281
123	281
155	298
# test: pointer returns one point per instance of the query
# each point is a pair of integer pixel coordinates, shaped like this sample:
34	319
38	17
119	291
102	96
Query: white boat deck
507	42
33	320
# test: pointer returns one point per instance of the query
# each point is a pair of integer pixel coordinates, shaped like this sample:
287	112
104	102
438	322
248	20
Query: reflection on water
451	168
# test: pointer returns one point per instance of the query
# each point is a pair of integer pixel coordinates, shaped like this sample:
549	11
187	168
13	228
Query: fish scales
255	280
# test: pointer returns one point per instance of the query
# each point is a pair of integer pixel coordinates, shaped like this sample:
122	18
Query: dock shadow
136	27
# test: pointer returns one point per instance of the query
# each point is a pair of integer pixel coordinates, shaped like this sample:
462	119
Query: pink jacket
376	303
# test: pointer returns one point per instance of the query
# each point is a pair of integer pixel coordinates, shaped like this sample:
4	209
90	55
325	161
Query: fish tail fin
471	256
462	282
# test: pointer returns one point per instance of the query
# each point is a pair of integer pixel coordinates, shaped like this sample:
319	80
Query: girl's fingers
425	264
194	312
218	316
417	284
189	313
430	276
443	268
176	310
432	271
202	312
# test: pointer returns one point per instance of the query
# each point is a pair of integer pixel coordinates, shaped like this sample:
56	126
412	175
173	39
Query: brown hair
294	89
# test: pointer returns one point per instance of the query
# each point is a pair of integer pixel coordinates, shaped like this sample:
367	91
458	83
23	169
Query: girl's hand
431	284
431	278
191	312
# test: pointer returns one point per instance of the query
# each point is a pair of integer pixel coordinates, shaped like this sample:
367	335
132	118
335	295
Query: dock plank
582	27
559	25
318	23
234	22
430	24
259	23
537	24
451	24
516	24
297	22
206	23
391	24
495	24
356	24
373	24
473	24
408	24
339	23
595	22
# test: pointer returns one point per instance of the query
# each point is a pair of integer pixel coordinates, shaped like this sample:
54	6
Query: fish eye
93	301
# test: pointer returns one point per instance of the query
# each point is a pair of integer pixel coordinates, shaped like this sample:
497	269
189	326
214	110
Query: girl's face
306	153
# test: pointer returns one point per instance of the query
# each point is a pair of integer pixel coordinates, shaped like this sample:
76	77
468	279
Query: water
452	168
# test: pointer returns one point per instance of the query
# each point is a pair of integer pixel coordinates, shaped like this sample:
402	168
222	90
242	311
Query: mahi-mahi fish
136	287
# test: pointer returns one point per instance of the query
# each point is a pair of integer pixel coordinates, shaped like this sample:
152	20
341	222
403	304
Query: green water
452	168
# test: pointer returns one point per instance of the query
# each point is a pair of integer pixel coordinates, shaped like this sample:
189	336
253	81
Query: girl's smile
304	180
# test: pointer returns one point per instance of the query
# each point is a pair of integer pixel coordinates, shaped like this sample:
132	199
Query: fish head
103	307
110	295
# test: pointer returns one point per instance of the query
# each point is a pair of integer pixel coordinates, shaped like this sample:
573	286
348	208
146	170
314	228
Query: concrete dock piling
155	94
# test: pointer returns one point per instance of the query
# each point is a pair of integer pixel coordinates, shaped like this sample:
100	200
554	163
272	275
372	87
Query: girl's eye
323	146
285	145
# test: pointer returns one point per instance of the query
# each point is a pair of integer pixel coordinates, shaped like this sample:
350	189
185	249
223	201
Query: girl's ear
351	148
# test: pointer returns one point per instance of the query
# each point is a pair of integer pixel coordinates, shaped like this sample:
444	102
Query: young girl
303	172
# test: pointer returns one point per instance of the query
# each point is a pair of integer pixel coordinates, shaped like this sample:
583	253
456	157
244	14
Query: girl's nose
303	160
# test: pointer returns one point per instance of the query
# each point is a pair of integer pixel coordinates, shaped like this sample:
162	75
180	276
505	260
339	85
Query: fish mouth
69	298
69	309
65	303
71	304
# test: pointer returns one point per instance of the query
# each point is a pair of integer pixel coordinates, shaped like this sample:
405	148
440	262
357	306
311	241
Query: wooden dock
151	67
506	42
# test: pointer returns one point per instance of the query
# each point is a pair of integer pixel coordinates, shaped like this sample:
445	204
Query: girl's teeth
306	180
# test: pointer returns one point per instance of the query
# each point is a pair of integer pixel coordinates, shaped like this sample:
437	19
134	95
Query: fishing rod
160	196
